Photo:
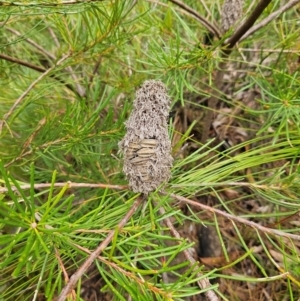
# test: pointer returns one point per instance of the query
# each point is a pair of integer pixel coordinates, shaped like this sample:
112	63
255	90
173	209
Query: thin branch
218	82
179	198
282	270
202	282
22	63
40	125
267	49
273	278
70	2
70	185
122	187
208	11
234	218
132	276
80	90
93	256
258	10
18	101
32	43
212	28
270	18
62	267
24	154
36	68
95	70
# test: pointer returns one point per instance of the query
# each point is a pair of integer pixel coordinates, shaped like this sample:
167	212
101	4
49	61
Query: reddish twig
22	63
270	18
84	267
62	267
234	218
212	28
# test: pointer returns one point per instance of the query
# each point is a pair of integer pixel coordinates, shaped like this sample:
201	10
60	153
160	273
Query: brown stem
36	68
270	18
230	43
122	187
25	93
22	63
32	43
247	24
235	218
130	275
84	267
202	20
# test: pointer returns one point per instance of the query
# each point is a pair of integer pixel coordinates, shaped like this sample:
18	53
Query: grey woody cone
231	11
146	145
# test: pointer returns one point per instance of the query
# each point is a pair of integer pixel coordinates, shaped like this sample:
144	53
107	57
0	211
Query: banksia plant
231	11
146	145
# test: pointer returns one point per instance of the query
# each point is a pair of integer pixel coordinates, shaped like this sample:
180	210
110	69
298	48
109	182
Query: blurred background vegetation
69	72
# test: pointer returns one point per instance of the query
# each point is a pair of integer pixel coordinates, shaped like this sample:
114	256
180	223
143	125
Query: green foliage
68	125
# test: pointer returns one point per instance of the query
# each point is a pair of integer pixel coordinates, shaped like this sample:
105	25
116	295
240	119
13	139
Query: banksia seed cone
231	11
146	145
